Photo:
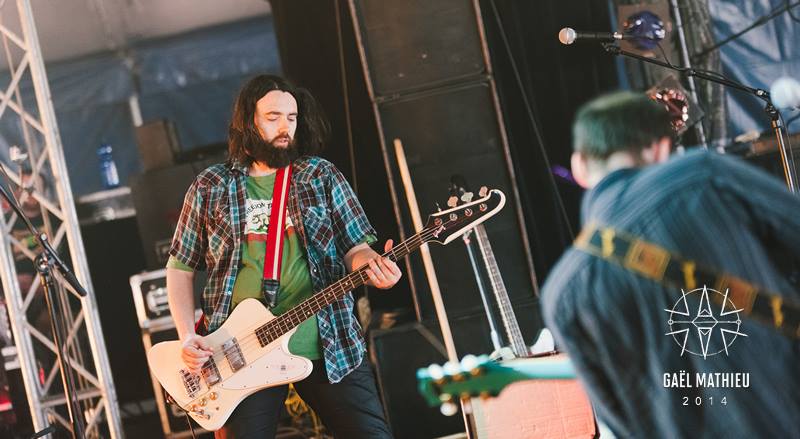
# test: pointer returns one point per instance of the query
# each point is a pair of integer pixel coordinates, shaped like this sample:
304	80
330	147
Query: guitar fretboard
282	324
513	332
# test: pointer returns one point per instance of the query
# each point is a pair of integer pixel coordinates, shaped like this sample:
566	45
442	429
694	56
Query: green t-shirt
295	277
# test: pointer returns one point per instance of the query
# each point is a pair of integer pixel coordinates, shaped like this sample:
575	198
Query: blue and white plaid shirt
328	219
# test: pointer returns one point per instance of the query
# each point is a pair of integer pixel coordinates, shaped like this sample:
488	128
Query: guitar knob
212	396
483	191
452	202
467	197
203	402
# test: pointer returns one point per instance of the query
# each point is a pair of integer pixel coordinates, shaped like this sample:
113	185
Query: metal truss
29	134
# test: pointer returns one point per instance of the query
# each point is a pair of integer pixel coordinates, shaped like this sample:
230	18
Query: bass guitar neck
518	346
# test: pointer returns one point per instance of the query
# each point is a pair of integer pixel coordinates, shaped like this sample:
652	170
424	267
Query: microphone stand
45	262
775	117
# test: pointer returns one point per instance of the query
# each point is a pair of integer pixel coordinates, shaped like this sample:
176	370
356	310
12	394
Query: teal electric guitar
479	376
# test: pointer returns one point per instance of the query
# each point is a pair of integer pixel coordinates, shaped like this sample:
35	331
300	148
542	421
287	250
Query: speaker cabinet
399	352
158	144
446	131
113	251
158	197
418	44
427	69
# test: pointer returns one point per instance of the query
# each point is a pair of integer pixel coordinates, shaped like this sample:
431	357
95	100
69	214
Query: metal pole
22	338
787	157
54	306
676	12
68	215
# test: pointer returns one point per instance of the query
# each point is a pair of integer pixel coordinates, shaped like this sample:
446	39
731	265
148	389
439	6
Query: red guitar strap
277	224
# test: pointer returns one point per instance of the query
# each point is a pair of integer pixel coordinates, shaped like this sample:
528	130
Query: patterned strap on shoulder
654	262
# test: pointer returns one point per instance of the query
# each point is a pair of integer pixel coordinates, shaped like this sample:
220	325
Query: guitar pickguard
274	368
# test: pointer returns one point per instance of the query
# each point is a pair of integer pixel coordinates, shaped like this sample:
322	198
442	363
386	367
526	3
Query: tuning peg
451	368
448	408
452	201
467	197
436	372
483	191
469	362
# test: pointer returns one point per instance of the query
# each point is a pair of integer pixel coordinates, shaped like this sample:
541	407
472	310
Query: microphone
569	35
785	93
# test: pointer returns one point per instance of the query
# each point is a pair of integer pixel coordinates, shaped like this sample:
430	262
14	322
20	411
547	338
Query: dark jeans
350	409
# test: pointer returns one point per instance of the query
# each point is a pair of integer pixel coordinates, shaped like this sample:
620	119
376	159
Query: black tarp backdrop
557	80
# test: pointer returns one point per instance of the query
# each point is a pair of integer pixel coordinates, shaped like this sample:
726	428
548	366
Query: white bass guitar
250	350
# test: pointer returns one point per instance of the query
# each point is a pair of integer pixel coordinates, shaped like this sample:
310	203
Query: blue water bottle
108	169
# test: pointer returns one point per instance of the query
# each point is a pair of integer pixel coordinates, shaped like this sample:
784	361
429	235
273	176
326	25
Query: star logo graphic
695	332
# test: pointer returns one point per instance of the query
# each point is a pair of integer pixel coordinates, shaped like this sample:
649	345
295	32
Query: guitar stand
495	335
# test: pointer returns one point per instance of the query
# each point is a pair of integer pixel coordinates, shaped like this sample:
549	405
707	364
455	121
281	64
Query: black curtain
556	79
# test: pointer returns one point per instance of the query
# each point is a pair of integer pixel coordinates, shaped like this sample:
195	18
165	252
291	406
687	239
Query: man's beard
274	156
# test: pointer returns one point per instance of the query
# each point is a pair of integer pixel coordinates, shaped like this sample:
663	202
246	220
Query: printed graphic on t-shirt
257	219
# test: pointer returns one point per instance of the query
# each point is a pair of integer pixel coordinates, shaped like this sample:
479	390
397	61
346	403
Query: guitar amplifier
150	298
536	409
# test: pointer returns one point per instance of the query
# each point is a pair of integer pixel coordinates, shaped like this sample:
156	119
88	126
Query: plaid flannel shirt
329	220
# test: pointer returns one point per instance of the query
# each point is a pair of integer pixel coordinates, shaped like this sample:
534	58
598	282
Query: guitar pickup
211	373
233	353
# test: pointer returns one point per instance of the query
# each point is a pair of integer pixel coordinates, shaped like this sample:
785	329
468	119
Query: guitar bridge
233	353
191	382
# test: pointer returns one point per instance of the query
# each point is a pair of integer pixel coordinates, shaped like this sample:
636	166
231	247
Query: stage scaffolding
26	110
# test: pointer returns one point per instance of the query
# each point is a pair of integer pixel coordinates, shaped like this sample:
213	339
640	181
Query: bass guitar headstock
449	224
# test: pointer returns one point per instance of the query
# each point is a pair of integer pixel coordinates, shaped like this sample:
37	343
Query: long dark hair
313	128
